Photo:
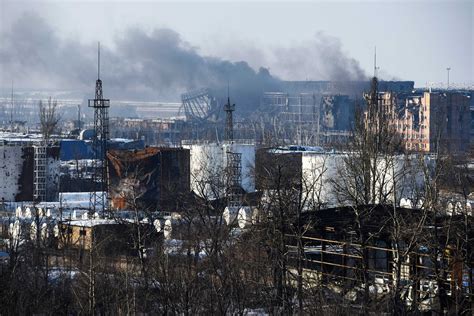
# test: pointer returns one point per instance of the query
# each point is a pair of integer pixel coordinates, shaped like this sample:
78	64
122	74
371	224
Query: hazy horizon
160	49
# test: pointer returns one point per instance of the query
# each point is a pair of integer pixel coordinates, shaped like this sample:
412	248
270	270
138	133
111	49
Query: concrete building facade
17	165
430	121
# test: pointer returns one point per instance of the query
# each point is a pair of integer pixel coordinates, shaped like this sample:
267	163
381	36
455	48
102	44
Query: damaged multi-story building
429	121
318	112
150	131
29	170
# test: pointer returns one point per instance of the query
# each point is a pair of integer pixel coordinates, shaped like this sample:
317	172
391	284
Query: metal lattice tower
229	122
234	171
98	199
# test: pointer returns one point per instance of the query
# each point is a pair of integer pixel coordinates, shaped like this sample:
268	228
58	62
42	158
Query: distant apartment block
430	120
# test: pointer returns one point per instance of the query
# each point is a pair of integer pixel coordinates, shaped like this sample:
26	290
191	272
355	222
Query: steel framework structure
98	198
199	105
40	172
301	113
234	175
229	122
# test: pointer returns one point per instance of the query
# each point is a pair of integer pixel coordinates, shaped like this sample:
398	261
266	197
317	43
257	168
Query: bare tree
49	117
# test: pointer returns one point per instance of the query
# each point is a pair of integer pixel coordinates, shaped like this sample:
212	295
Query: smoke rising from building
320	59
156	65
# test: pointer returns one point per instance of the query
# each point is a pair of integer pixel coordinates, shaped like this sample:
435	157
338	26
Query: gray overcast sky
416	40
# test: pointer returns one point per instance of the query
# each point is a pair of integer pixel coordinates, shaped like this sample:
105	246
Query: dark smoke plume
152	66
320	59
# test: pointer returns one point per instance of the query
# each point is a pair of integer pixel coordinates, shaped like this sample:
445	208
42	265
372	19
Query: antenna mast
229	124
98	199
98	60
375	62
11	109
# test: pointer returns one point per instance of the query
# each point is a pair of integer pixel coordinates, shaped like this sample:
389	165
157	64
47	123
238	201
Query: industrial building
150	131
316	174
309	118
295	112
155	178
108	236
430	270
351	88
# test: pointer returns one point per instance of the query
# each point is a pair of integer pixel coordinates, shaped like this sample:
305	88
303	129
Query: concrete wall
11	165
17	173
52	179
397	177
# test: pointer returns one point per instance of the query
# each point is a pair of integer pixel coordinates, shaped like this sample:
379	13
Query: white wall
402	175
319	171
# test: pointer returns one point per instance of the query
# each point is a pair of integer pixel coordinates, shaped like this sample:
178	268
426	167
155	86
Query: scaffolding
300	113
40	173
310	118
234	175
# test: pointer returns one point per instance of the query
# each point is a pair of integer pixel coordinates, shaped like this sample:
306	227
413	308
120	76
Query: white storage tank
210	159
167	228
230	214
157	225
247	216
